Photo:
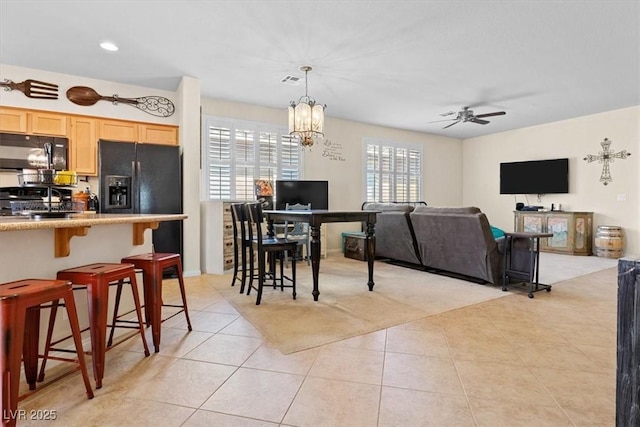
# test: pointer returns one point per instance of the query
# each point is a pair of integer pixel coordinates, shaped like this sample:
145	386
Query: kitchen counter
78	225
12	223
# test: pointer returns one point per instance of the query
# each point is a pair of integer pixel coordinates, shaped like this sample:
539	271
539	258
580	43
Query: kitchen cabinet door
83	146
118	130
48	123
158	134
13	120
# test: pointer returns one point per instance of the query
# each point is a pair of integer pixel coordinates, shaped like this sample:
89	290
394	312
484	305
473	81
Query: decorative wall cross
605	157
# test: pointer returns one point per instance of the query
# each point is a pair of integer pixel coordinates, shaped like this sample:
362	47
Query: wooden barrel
609	241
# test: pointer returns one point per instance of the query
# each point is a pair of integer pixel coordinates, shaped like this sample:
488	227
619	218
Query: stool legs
72	314
183	293
96	279
152	278
153	265
12	343
47	345
97	299
20	305
30	346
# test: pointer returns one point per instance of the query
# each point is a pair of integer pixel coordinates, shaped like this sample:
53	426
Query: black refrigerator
143	179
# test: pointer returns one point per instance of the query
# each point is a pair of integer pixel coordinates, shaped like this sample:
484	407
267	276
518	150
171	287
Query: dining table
315	218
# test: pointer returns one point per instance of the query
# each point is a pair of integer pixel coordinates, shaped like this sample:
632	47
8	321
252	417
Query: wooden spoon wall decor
154	105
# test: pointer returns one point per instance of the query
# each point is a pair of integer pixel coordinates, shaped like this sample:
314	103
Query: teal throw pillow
497	233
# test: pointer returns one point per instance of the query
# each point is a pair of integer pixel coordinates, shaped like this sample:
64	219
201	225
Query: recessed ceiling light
109	46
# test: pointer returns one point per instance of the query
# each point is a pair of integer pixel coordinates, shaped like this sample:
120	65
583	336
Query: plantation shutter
393	171
236	153
219	162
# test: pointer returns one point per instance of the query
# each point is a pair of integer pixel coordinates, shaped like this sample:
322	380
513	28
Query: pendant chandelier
306	118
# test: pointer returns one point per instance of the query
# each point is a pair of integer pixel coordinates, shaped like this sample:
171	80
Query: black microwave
18	151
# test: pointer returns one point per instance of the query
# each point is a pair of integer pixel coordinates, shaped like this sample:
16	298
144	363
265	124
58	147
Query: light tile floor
513	361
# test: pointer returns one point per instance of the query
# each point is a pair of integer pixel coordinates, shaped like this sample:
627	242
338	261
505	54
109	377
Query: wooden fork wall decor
32	88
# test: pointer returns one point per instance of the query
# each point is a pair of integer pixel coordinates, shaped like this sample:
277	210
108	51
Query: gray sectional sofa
439	239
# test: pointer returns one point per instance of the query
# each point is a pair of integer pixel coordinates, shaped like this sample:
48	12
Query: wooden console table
572	232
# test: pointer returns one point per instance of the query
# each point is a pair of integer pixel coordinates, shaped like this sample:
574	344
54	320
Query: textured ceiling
391	63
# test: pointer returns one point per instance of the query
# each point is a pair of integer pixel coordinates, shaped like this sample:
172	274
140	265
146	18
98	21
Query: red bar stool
152	266
96	278
19	335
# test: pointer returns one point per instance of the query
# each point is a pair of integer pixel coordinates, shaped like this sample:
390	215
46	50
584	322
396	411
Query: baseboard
191	273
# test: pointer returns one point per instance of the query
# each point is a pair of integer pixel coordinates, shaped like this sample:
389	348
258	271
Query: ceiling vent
291	80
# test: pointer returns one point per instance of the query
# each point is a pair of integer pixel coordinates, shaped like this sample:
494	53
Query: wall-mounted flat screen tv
535	177
298	191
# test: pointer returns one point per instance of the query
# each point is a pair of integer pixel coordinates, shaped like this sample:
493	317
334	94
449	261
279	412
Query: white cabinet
216	250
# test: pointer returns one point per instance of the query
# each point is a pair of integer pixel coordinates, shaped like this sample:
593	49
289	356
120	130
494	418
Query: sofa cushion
394	237
387	207
458	243
448	209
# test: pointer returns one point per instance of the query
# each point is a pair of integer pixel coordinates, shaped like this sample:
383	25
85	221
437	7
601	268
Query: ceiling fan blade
448	126
478	121
497	113
444	120
448	113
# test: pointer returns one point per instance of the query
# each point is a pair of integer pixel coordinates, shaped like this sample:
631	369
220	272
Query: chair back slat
255	221
239	219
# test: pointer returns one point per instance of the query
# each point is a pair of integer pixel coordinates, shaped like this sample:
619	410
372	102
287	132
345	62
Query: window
236	153
392	172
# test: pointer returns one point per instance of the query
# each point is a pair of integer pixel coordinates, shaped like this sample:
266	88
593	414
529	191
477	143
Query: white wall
442	180
187	115
574	139
100	109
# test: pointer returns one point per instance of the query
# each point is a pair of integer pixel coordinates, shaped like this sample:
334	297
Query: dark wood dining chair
298	231
275	247
242	251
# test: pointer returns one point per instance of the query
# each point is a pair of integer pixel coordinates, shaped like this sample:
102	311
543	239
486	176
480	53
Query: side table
522	260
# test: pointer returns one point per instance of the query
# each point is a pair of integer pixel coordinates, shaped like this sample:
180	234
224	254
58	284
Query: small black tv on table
303	192
535	177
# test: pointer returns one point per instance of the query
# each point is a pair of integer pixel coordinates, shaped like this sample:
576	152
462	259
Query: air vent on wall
291	80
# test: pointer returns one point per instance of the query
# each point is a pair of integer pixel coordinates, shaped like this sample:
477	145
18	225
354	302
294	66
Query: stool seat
153	265
20	303
96	278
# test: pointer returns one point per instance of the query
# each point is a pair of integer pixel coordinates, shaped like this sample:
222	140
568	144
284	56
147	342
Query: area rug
345	307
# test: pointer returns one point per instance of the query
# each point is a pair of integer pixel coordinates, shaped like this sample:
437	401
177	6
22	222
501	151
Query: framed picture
263	188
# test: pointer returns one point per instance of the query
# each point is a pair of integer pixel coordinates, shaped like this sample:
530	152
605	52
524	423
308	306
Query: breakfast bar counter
39	248
13	223
78	225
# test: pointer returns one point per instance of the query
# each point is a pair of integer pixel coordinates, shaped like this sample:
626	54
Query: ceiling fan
466	115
